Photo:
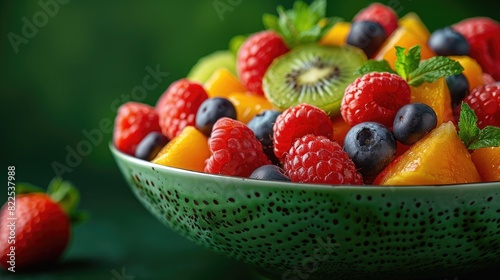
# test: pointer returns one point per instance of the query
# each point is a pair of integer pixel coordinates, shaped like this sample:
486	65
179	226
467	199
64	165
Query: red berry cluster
376	97
235	150
485	101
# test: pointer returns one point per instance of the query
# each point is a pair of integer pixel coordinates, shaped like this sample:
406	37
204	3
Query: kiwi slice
205	66
313	74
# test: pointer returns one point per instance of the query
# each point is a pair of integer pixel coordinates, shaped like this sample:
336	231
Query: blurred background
65	67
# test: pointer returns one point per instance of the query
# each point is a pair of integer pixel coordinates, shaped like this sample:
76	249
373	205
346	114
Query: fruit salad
374	100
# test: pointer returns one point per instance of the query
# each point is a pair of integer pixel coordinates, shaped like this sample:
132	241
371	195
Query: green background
66	78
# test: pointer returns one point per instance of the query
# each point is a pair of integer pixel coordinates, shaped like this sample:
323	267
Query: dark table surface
122	241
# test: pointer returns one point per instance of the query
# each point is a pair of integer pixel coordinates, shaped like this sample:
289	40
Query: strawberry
485	101
132	123
254	57
483	35
178	105
317	159
235	150
42	226
296	122
375	97
381	14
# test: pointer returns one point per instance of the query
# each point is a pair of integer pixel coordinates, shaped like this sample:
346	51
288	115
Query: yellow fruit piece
222	83
487	161
472	70
337	35
188	150
412	22
437	96
248	105
402	37
340	129
439	158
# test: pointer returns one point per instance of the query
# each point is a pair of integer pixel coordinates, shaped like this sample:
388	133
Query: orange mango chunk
337	35
222	83
487	161
402	37
438	158
472	70
248	105
412	22
340	129
437	96
188	150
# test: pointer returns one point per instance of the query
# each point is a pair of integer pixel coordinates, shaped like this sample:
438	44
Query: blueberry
366	35
211	110
371	146
262	126
150	145
270	172
412	122
458	86
446	41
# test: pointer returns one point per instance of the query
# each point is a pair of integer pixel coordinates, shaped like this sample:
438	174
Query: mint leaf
467	125
432	69
471	135
301	25
488	137
373	65
407	62
318	8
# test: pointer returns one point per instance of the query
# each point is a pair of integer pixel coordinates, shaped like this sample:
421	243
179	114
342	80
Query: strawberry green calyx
301	25
67	196
25	188
471	135
63	193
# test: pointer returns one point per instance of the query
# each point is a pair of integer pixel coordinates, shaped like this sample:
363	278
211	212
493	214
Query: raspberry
488	79
296	122
317	159
178	105
483	35
255	56
132	123
375	97
381	14
485	101
235	150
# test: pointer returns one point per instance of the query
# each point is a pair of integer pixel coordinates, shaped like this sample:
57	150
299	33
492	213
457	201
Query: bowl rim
299	186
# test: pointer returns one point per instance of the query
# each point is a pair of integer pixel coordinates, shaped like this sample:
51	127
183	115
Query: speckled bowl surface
304	231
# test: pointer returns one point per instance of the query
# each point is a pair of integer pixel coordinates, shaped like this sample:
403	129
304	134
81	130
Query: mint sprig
410	67
434	68
473	137
373	65
406	63
301	25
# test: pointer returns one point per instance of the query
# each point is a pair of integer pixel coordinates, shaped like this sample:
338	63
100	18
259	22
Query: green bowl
306	231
